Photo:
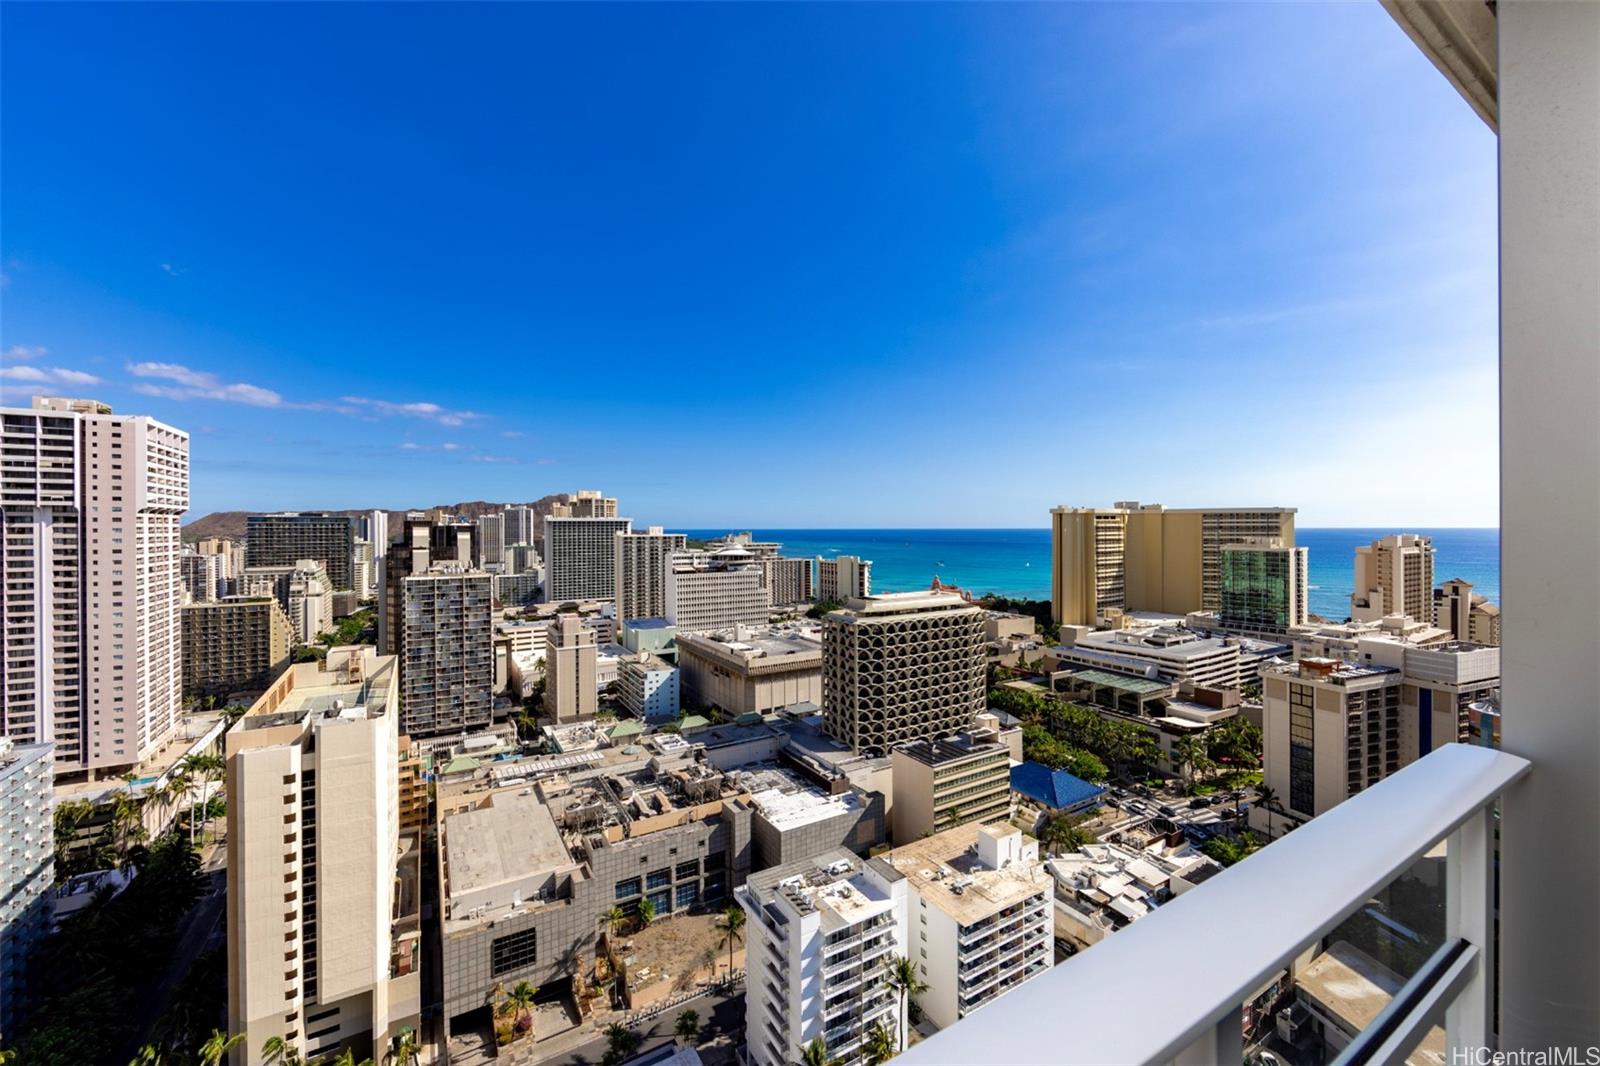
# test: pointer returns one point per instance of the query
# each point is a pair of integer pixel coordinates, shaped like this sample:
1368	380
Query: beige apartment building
571	660
901	666
323	912
236	643
715	590
642	558
1147	557
751	669
585	503
944	782
1394	575
303	589
1330	728
1467	615
92	503
843	578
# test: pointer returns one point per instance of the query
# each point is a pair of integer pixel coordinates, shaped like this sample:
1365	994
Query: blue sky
768	265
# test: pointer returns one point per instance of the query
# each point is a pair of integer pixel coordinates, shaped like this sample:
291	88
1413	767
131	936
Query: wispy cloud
494	459
175	271
22	352
189	384
432	412
512	433
47	375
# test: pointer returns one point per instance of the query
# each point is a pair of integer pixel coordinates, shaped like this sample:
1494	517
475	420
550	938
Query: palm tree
520	1003
404	1051
276	1051
217	1046
732	925
1267	796
687	1027
614	919
346	1057
621	1043
880	1045
647	913
194	770
148	1055
903	977
816	1054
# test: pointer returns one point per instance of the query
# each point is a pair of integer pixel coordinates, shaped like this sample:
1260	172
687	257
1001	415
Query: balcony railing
1213	947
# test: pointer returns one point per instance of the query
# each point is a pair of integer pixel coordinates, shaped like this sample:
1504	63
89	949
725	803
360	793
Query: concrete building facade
571	662
1467	615
204	576
303	589
820	934
1330	728
1147	557
715	591
980	916
753	669
580	557
491	539
91	505
585	503
944	782
1394	575
27	872
843	578
323	899
233	644
283	539
648	687
518	525
788	581
446	651
902	666
641	561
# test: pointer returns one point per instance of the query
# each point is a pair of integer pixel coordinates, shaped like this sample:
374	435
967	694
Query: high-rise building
523	559
302	589
234	644
948	781
93	658
788	581
518	525
285	538
491	539
1330	728
424	539
1466	614
901	666
843	578
715	591
1394	575
977	942
580	558
1146	557
230	560
648	687
1265	586
203	576
365	573
27	872
571	657
820	934
751	669
446	650
323	916
585	503
642	558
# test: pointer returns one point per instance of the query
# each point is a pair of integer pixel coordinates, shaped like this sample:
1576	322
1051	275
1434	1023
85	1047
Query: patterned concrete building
237	643
901	666
285	538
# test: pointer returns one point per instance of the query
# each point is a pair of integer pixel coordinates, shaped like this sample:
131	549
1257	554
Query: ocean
1016	562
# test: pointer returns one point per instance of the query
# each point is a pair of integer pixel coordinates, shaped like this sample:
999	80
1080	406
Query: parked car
1166	811
1198	802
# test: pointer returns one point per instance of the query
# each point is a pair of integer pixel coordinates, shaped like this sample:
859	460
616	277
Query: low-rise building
751	669
820	934
1102	887
1050	791
648	687
1170	651
517	590
656	636
946	782
794	818
979	916
234	644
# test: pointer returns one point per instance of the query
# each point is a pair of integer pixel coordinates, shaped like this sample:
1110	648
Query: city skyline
899	221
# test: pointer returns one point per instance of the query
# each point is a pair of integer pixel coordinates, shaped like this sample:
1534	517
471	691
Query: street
720	1015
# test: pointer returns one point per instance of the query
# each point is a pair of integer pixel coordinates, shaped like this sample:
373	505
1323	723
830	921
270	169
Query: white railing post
1469	915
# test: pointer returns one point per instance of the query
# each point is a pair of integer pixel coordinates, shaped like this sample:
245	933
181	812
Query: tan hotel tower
1146	557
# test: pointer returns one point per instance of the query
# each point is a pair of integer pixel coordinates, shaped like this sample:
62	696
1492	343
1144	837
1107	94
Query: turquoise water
1016	562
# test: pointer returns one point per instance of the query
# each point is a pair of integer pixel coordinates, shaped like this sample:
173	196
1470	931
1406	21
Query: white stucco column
1549	117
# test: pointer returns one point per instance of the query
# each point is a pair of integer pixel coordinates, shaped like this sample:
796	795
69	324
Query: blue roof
647	623
1052	788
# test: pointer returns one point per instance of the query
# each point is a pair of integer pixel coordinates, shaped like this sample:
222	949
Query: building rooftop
946	870
1353	988
942	750
867	608
789	803
1140	686
833	883
508	840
